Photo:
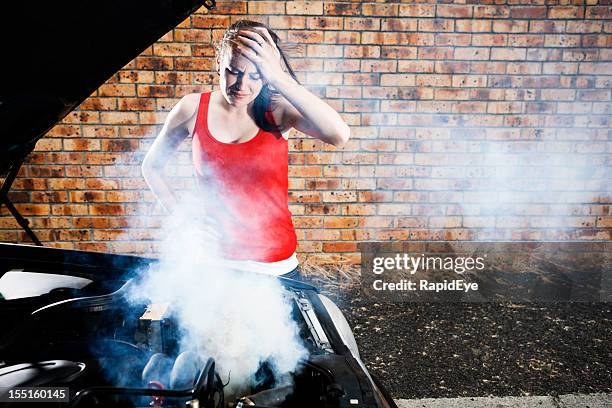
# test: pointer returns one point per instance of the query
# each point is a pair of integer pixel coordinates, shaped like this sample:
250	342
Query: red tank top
247	184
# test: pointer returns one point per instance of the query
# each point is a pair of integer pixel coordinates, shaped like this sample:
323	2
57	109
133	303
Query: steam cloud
239	319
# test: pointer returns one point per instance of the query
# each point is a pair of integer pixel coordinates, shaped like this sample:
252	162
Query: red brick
69	209
380	38
473	25
451	94
560	68
436	25
194	64
539	54
417	10
399	52
81	144
360	24
416	66
120	118
124	196
171	49
596	40
341	222
524	68
442	53
305	36
48	145
603	12
455	40
510	26
547	26
342	9
564	12
99	104
358	209
336	37
433	80
377	9
508	53
82	117
45	171
596	68
308	222
472	53
594	95
451	67
525	40
267	7
584	26
340	247
418	39
456	11
287	22
378	66
64	158
173	78
489	39
324	51
232	7
29	184
398	24
325	23
528	12
136	104
87	196
65	131
562	40
491	11
303	8
305	171
203	21
154	63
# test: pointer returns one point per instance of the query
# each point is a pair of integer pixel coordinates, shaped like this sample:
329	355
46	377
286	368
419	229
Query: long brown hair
267	94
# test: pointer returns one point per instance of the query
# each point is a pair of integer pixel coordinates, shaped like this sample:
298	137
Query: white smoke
539	187
239	319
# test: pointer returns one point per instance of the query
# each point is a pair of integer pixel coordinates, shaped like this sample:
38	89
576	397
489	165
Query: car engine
110	353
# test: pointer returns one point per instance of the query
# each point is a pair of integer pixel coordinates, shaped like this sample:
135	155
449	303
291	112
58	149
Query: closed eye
254	76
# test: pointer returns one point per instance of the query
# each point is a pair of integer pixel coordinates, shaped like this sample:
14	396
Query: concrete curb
562	401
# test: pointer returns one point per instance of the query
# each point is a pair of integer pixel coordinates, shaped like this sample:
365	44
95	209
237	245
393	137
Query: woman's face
239	79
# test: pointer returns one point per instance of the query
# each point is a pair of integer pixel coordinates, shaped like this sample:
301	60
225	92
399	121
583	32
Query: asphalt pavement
471	350
562	401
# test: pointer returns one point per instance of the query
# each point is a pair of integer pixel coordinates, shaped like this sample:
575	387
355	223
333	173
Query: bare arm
174	131
307	113
299	108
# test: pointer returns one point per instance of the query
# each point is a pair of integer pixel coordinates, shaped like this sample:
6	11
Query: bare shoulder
187	106
183	115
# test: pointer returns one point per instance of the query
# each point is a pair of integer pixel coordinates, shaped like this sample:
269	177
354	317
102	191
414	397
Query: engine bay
109	353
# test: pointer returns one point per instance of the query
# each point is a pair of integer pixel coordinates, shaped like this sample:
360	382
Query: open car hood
107	350
71	48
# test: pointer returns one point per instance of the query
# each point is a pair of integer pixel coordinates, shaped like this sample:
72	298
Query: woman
239	137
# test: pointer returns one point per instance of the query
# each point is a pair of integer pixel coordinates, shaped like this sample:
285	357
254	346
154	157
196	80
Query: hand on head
257	45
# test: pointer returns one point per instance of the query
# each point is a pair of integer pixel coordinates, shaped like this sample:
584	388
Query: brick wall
469	121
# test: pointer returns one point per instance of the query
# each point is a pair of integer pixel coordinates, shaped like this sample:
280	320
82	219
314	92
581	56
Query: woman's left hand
257	45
